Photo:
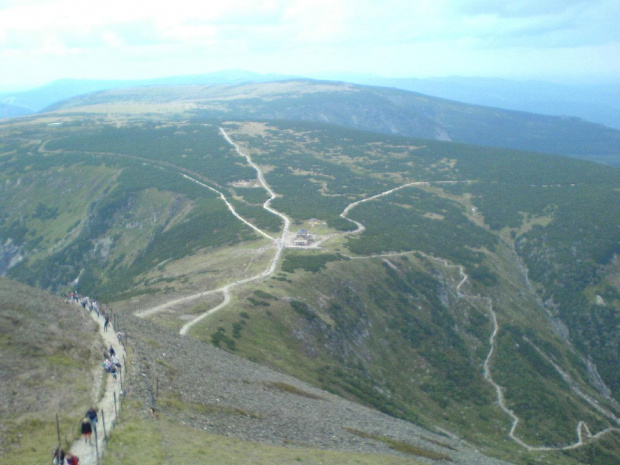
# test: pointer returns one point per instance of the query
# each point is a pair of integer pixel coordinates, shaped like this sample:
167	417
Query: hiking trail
84	451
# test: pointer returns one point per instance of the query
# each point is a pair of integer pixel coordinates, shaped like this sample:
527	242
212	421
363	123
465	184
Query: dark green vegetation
47	351
375	315
384	110
125	207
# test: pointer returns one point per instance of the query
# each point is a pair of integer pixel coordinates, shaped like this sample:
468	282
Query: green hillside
384	110
438	261
47	351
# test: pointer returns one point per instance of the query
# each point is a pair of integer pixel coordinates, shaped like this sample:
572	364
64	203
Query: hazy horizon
557	41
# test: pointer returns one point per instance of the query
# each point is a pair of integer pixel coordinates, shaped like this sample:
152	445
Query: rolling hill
465	289
383	110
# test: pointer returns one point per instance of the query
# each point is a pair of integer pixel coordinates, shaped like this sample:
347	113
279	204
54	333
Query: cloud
293	36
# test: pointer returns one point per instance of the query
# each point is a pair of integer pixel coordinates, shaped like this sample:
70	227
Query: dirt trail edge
86	452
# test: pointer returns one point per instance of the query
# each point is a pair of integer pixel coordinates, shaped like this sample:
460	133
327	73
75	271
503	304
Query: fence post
58	430
96	442
105	435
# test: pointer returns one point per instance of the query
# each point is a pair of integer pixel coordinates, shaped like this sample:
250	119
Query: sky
556	40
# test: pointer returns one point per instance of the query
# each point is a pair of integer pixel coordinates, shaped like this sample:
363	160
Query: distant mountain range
598	103
369	108
40	98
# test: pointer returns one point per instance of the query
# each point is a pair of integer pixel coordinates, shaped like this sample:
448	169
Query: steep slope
596	102
376	109
48	351
189	383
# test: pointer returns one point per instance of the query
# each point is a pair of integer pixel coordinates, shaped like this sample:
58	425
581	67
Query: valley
459	288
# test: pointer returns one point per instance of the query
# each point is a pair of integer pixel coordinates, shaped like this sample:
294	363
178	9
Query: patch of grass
171	402
438	443
141	439
303	309
285	387
257	303
312	263
264	295
402	446
220	336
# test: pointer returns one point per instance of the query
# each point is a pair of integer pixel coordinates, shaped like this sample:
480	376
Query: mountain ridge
375	109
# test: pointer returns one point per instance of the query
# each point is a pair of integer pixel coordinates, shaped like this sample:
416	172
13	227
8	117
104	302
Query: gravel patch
231	396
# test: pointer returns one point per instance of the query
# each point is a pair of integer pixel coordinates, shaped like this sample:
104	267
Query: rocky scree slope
207	388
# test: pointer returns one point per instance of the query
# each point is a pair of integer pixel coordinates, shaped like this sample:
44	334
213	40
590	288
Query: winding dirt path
87	453
277	242
582	429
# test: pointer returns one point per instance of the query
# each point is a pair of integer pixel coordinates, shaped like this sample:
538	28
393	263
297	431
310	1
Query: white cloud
390	37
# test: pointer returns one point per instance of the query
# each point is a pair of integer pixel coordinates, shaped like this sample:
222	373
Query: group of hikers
86	302
88	425
111	364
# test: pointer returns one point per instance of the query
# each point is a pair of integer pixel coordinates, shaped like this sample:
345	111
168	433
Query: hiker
87	429
116	361
112	351
92	415
106	323
72	460
59	456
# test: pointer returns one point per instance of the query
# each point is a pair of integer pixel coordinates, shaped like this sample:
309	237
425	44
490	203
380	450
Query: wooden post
105	436
96	442
58	430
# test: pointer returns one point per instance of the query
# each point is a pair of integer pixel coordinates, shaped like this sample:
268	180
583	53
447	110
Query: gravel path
87	451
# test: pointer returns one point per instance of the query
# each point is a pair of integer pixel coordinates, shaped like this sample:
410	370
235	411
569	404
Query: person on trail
116	361
112	351
106	323
87	429
72	460
92	415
